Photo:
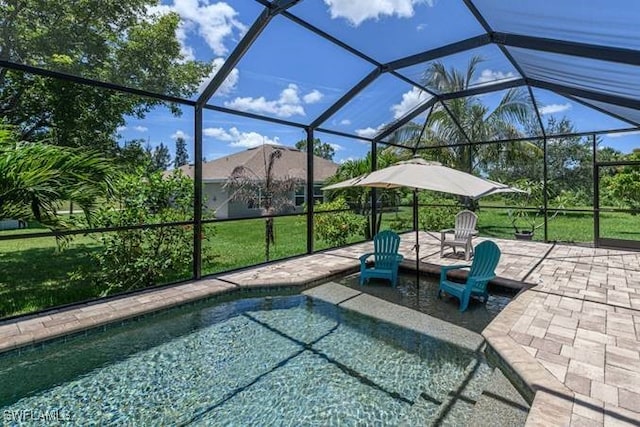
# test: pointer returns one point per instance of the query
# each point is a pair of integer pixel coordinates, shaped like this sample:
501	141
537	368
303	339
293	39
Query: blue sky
293	74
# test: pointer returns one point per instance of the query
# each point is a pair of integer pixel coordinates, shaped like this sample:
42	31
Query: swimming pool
259	361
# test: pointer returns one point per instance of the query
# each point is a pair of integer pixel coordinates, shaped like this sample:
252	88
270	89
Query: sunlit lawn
35	275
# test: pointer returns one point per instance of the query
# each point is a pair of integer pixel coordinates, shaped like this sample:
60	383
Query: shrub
138	258
435	218
335	228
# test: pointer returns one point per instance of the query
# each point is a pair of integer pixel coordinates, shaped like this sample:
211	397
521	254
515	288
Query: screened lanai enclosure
137	140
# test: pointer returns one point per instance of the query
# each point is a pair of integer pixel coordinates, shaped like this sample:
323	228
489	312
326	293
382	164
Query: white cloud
487	76
214	22
180	134
421	27
229	83
369	132
313	97
623	134
358	11
554	108
346	159
288	104
345	122
141	128
121	128
410	100
240	139
336	147
217	133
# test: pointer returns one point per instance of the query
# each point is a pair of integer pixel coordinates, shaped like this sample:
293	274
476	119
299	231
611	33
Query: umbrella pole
417	246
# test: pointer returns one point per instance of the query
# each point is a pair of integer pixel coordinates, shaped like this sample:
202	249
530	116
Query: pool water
475	318
262	361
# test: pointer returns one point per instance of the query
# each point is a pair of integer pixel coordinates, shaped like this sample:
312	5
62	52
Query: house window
318	194
301	194
257	202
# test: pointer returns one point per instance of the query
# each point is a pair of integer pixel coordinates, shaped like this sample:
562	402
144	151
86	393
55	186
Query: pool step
499	405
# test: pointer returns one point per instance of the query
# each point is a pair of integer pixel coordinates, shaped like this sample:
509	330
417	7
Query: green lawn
35	275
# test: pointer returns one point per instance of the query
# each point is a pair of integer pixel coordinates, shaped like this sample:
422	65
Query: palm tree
270	192
37	177
506	121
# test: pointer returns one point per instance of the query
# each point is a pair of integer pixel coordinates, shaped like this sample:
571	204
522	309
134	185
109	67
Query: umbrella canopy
420	174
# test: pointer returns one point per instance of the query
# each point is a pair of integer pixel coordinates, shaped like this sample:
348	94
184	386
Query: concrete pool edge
28	330
369	305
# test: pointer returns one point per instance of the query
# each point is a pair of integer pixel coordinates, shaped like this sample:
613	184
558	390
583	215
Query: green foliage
480	123
320	149
138	258
267	190
400	222
625	184
182	156
359	197
435	218
335	228
107	40
160	158
37	177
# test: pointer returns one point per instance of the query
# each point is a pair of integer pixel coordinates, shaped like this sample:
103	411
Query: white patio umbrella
420	174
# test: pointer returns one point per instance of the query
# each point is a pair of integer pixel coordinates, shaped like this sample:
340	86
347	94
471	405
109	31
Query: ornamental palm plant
270	192
37	177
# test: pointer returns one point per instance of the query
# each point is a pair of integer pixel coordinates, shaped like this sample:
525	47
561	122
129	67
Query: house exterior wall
216	199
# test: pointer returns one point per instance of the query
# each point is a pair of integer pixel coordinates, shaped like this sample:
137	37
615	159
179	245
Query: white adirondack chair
463	232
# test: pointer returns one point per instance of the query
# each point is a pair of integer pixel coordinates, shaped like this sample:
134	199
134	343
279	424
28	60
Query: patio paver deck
574	339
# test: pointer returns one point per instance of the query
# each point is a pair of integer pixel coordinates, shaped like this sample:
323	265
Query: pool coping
30	330
551	401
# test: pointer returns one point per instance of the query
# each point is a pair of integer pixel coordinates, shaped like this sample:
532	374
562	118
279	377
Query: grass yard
35	275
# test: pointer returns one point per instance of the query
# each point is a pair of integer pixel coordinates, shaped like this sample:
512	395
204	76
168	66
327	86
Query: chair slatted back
386	245
485	260
465	224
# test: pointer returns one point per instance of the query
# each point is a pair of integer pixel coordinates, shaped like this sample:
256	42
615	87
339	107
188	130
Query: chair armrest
448	230
399	258
445	269
363	258
453	267
474	233
481	278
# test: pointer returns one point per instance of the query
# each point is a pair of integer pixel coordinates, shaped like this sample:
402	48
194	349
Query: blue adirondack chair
385	258
482	270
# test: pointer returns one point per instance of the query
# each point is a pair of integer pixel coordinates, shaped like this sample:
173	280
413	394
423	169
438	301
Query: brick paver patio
574	339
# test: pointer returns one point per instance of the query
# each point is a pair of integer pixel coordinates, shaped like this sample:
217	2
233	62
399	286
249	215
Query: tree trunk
269	236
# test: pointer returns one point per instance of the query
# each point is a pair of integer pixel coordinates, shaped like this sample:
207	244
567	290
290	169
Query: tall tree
267	189
478	122
132	155
106	40
182	156
160	158
320	149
